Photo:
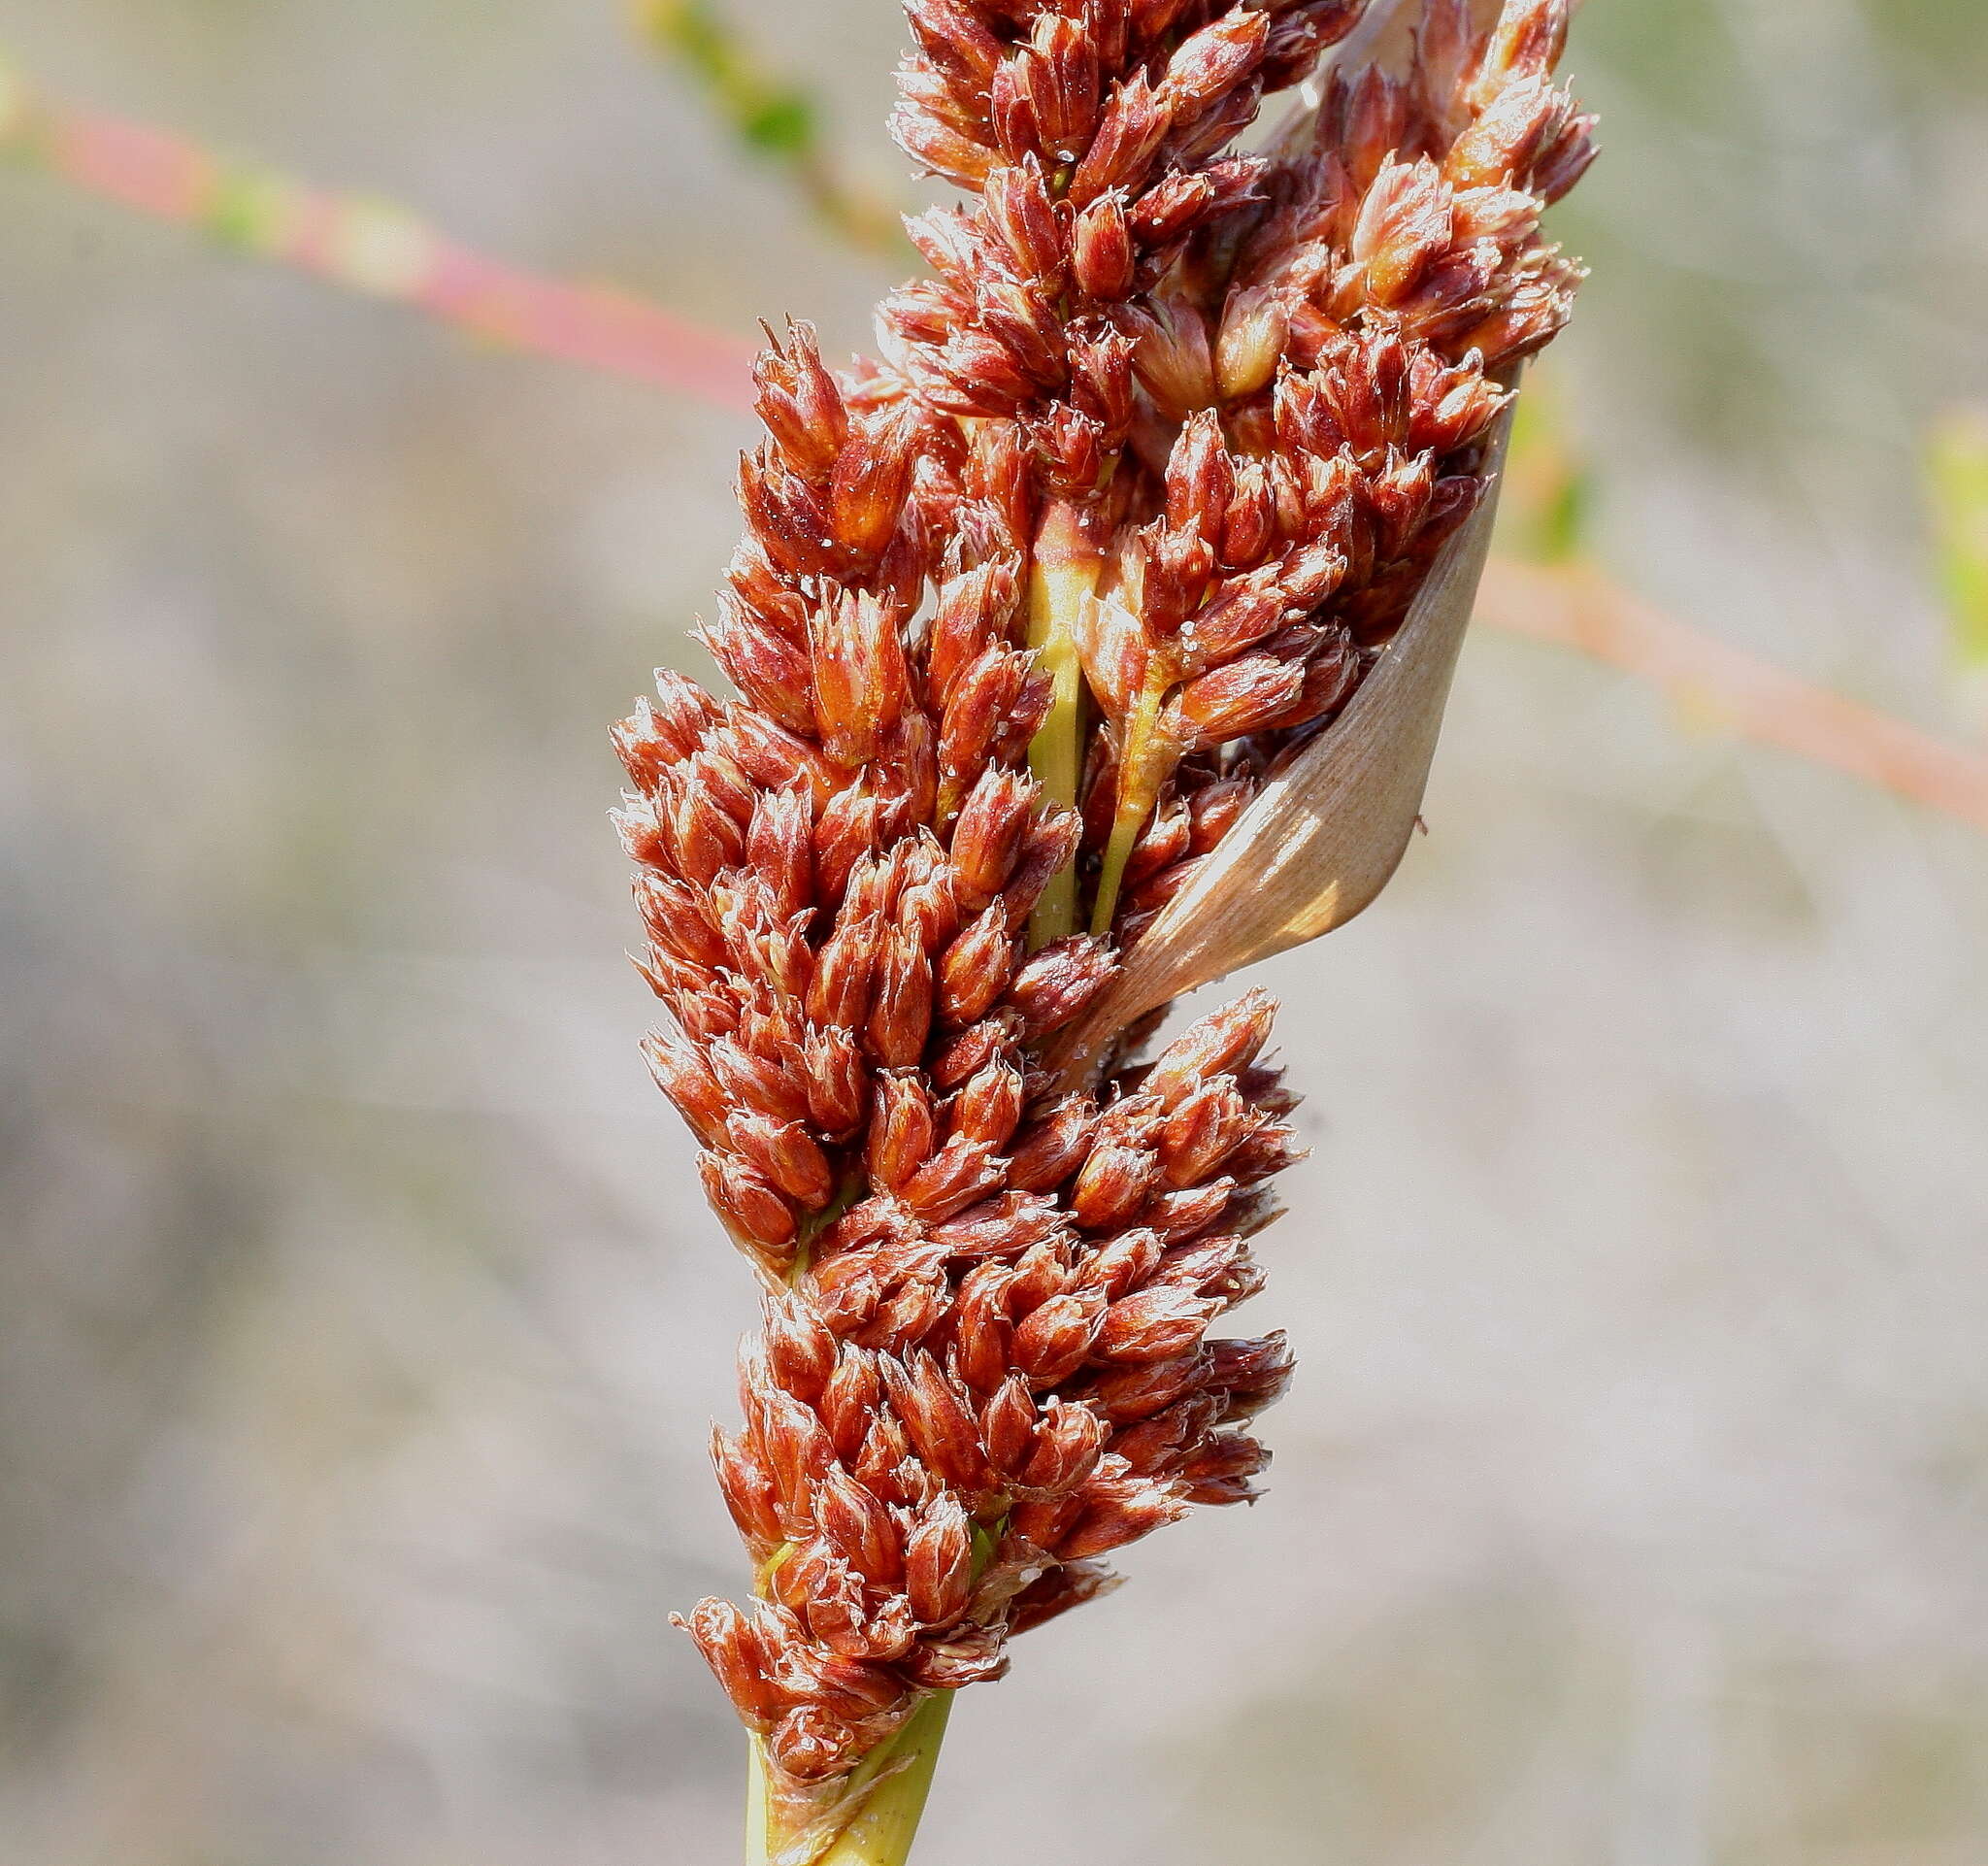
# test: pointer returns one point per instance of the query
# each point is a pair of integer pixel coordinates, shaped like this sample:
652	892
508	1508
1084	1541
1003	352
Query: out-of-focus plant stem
1548	492
1721	688
374	247
772	115
367	245
1957	486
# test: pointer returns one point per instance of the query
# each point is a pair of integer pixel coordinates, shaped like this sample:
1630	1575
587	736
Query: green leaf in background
1957	489
782	125
1548	493
771	114
764	112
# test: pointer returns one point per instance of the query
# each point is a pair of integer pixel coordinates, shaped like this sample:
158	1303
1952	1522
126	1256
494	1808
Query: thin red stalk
372	247
380	249
1714	683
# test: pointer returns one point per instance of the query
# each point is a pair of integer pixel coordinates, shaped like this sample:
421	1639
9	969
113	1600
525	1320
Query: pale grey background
360	1320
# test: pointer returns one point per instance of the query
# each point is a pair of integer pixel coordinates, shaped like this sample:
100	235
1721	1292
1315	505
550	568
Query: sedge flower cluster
1147	474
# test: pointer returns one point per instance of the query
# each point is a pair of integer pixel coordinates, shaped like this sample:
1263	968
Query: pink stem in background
374	247
1723	688
379	249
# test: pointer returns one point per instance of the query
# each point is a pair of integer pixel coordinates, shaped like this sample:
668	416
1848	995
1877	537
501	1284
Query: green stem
815	1223
1063	573
758	1822
882	1834
887	1820
1147	761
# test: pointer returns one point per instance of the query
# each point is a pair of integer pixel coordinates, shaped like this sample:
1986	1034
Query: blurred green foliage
1957	488
768	114
1547	499
771	115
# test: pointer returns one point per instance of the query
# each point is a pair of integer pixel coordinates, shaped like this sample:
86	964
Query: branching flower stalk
1027	612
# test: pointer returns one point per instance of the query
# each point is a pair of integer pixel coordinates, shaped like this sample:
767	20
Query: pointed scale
1326	834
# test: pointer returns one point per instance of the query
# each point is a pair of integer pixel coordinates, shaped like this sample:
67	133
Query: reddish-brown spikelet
1259	386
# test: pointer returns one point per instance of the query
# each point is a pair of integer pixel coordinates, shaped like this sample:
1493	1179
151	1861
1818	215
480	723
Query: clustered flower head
1148	473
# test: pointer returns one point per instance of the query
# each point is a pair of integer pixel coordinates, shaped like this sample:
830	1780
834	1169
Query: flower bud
744	1199
988	1109
976	968
1255	322
1102	256
1060	980
902	1131
939	1557
1053	1341
732	1647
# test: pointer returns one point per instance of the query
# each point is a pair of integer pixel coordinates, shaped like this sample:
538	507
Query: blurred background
359	1322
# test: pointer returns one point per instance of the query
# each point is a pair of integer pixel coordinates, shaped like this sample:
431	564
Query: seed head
1261	388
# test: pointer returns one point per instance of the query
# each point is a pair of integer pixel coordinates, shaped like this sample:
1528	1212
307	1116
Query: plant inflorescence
1027	614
